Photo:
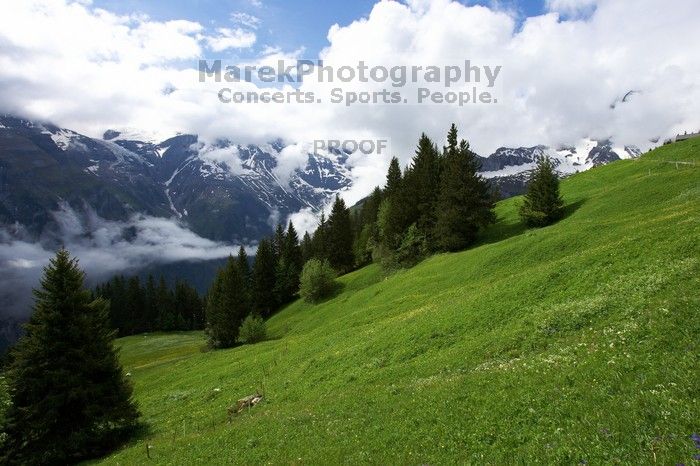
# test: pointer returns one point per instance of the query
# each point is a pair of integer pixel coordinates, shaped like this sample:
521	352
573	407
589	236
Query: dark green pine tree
264	268
394	212
243	263
307	248
69	398
543	204
422	185
188	307
321	247
367	231
135	306
278	241
292	249
393	177
226	305
340	237
164	303
151	304
118	305
289	267
452	147
466	202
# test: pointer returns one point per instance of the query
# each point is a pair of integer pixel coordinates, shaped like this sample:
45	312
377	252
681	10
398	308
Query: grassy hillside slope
574	343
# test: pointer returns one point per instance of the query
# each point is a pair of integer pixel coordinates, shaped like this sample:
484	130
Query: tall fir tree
422	185
69	397
543	204
340	237
264	278
465	202
307	248
452	148
226	305
116	293
243	263
288	267
321	247
164	302
394	212
393	177
135	309
278	241
366	230
151	303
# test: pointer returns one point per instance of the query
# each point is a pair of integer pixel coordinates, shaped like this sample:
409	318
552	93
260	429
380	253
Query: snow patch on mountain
64	138
509	168
124	156
137	135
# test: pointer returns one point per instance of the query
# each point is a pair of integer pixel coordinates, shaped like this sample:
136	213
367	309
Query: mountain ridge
175	177
223	191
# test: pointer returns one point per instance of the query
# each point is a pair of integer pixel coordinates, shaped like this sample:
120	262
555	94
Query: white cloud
244	19
227	38
228	156
289	159
306	220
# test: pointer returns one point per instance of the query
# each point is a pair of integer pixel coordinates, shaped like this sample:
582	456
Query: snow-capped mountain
509	168
223	191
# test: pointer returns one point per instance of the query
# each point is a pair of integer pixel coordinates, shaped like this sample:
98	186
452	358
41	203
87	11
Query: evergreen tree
264	269
182	312
340	236
135	307
307	251
243	263
543	204
69	397
164	303
321	247
151	303
278	242
196	306
226	305
393	177
465	202
292	249
118	308
390	224
288	267
367	229
452	144
422	185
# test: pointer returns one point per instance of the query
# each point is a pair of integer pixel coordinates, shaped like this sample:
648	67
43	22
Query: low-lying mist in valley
103	247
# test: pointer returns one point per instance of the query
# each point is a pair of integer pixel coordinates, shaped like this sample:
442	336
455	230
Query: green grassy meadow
577	343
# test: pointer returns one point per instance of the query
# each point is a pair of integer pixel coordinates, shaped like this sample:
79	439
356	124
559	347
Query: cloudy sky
565	66
105	64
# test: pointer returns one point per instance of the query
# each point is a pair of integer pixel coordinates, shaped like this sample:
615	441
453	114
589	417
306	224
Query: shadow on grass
142	431
502	230
337	289
569	209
